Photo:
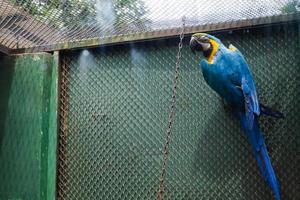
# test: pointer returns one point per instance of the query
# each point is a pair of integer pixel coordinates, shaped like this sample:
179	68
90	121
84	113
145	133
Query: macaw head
206	43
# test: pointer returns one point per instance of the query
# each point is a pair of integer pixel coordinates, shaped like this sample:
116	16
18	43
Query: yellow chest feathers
215	47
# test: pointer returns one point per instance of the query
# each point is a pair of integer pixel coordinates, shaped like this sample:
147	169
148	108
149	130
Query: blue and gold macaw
227	72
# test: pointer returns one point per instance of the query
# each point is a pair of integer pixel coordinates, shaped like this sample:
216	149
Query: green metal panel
53	129
28	102
115	104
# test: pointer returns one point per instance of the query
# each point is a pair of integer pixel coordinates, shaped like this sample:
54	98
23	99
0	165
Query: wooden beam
153	35
4	50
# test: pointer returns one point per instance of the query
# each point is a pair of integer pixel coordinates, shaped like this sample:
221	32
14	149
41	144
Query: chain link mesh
36	23
114	109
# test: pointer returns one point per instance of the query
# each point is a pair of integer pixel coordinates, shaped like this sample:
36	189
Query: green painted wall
28	110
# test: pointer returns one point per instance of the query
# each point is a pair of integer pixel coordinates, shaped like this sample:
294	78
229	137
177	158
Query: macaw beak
194	45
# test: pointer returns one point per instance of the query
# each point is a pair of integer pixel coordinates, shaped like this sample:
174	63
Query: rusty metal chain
171	117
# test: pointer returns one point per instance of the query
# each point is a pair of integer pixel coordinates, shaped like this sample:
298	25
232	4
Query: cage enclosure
88	107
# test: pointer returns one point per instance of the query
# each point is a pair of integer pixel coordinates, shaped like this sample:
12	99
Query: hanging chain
171	117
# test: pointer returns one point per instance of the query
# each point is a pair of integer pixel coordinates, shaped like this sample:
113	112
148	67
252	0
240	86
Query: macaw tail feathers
261	154
270	112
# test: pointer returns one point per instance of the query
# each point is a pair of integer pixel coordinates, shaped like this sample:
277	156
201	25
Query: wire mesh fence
27	23
114	111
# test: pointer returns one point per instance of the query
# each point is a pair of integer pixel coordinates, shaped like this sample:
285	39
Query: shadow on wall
221	160
7	64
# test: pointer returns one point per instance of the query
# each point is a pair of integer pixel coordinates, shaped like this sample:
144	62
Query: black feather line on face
207	53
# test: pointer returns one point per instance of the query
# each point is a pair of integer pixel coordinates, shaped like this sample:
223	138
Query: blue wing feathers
246	75
249	105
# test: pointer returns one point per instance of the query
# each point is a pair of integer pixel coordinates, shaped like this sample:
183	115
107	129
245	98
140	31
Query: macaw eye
204	39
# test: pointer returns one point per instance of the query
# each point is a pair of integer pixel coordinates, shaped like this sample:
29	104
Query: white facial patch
205	46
